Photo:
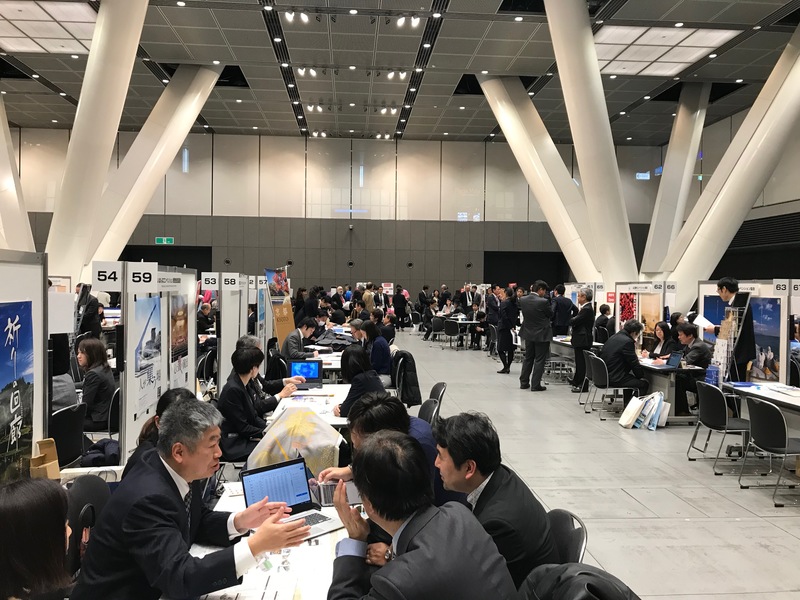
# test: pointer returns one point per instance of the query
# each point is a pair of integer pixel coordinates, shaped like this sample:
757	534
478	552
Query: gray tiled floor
667	527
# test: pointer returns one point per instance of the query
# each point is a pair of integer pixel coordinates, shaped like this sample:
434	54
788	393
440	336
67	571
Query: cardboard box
45	464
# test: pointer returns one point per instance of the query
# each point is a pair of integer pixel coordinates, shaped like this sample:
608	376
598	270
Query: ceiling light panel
82	31
618	35
8	30
42	29
665	69
712	38
663	36
609	51
55	27
643	53
78	12
20	45
685	55
28	11
620	67
61	46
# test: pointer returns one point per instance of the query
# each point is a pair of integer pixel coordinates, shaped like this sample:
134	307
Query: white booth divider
178	289
232	322
641	300
23	371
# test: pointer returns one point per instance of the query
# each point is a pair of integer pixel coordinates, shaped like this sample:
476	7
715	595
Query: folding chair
600	382
713	415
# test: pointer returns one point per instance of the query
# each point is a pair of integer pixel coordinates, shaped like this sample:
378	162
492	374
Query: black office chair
714	416
569	534
451	331
601	382
491	344
398	371
66	428
601	335
587	380
429	411
210	367
573	581
769	433
437	392
437	326
416	321
86	499
794	372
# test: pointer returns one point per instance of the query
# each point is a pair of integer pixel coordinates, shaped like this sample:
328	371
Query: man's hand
316	354
645	354
287	391
376	554
659	361
709	329
336	473
255	514
357	527
295	380
273	535
337	410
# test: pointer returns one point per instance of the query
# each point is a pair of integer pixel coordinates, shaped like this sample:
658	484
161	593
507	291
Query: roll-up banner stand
264	326
229	321
141	366
24	402
179	305
643	301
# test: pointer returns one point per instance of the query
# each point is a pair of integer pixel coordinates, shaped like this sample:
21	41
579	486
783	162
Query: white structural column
558	196
676	180
105	86
741	176
130	189
14	224
579	71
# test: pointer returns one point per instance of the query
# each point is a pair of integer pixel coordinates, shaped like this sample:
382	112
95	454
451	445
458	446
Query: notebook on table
288	482
310	369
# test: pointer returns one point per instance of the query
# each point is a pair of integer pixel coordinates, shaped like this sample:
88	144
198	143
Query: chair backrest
429	410
201	367
599	371
569	535
794	372
86	499
66	428
713	406
492	333
601	335
416	319
210	366
397	365
450	327
437	391
767	425
587	360
113	413
437	324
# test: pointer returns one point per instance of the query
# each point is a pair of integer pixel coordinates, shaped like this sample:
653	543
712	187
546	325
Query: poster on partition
278	284
651	312
627	308
147	355
261	324
16	390
767	329
179	340
714	309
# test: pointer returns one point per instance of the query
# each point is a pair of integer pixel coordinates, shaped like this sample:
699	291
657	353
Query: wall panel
506	187
189	177
158	201
374	170
236	171
43	153
283	177
463	181
419	180
328	178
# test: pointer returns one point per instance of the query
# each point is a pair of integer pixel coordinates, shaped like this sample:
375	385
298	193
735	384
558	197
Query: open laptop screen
284	482
310	369
674	359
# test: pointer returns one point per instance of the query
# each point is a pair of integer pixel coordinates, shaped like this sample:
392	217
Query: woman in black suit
582	337
399	302
98	384
508	320
298	304
241	428
665	345
358	372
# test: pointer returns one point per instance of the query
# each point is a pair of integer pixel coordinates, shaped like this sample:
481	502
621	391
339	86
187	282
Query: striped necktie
187	502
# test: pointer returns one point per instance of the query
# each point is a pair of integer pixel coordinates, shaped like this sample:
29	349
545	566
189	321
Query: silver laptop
288	482
310	369
673	362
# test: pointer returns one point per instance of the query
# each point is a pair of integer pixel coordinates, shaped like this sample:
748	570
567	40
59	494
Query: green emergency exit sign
165	240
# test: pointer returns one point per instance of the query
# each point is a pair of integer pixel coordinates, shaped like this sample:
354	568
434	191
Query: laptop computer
288	482
673	362
310	369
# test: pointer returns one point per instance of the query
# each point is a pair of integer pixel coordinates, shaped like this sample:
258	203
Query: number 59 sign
142	277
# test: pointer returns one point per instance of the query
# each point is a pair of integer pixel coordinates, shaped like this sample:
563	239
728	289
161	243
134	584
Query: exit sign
165	240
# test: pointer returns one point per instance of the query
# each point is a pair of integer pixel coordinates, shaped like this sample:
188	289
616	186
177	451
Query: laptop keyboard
316	519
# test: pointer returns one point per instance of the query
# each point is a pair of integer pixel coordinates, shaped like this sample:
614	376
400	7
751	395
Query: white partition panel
637	166
463	181
506	187
419	180
43	153
157	204
374	177
283	177
236	170
328	178
189	177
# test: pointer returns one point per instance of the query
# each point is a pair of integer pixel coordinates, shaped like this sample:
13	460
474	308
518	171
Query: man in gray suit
294	344
537	331
441	553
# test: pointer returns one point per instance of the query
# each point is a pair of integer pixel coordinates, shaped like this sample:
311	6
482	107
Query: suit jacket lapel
499	478
414	526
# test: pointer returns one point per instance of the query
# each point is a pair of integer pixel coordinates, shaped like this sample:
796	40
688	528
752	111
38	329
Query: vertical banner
147	354
16	390
179	341
284	321
278	284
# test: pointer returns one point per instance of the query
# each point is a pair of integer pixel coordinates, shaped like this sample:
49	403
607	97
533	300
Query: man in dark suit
563	311
537	333
337	299
619	354
251	319
469	461
423	299
294	345
204	319
745	348
444	295
140	546
695	353
582	336
469	297
440	553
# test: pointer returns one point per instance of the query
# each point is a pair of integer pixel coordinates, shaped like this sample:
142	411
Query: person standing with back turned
537	331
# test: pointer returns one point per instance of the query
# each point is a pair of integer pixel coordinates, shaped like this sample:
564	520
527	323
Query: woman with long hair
299	304
509	311
98	383
665	345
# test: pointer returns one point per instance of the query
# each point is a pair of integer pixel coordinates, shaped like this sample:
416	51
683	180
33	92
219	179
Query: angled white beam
558	196
105	86
579	71
676	179
130	189
14	223
744	171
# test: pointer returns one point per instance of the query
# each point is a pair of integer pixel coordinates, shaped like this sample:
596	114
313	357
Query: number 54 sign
107	276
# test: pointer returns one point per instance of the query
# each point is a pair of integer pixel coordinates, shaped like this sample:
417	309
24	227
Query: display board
278	282
23	368
231	320
643	301
179	307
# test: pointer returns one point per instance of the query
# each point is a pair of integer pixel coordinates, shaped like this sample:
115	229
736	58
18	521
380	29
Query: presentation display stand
178	288
23	390
231	317
643	301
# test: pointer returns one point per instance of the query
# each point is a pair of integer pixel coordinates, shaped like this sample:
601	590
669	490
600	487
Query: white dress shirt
473	496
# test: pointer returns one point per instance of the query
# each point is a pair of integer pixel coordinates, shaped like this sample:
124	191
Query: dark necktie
187	502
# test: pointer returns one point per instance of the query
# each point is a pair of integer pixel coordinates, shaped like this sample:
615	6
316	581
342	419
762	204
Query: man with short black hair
537	332
619	354
745	348
563	310
140	546
266	394
469	461
440	553
696	353
388	330
293	345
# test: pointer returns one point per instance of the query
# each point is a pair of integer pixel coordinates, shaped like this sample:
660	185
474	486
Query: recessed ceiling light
491	135
165	81
613	77
238	101
402	120
3	92
352	104
205	126
531	93
712	56
267	7
291	85
299	116
678	24
352	67
622	112
484	72
35	76
461	107
549	74
426	45
74	56
412	90
445	133
353	11
629	139
676	79
757	27
436	15
418	70
739	80
296	102
62	93
674	114
54	121
255	127
414	21
284	65
214	62
180	3
407	106
303	129
600	22
518	19
352	131
647	97
277	40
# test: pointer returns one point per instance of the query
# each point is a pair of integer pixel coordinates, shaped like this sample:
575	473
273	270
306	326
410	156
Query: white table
322	401
784	396
302	573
